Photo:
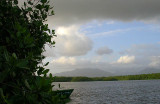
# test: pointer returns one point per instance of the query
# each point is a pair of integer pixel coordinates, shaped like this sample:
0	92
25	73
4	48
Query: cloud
65	60
133	60
49	51
70	42
104	50
62	64
143	50
112	32
143	53
126	59
155	61
80	11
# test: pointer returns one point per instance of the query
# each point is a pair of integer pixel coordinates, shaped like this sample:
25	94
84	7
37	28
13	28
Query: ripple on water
115	92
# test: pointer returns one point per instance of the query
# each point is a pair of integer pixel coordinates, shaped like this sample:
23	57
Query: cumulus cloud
70	42
65	60
104	50
126	59
81	11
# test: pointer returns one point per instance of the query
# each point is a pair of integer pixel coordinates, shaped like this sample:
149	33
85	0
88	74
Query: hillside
86	72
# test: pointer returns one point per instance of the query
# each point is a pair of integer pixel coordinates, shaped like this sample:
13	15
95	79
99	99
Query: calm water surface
114	92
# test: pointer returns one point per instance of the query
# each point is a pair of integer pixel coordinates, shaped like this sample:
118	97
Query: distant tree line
111	78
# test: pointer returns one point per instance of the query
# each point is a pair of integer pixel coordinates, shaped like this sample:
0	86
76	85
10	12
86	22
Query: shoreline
153	76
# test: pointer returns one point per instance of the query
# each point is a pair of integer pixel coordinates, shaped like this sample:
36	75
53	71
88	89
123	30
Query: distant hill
149	71
85	72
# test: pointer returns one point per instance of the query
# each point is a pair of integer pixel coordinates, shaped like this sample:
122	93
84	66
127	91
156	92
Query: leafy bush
23	35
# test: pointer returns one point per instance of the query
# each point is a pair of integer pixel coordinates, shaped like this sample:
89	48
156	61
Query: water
114	92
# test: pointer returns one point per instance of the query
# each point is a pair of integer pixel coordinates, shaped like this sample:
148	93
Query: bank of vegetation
111	78
23	37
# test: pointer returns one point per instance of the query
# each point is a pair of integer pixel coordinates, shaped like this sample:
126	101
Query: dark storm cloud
79	11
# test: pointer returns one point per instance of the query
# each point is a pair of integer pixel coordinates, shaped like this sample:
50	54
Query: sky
118	36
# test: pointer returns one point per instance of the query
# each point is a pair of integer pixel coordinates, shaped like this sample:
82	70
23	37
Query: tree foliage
23	36
110	78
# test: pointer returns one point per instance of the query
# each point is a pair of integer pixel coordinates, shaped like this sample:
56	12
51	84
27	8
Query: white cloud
126	59
65	61
135	59
104	50
155	61
70	42
143	53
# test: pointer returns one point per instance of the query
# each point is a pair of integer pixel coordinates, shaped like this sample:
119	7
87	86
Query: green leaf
43	1
22	63
29	9
14	55
46	64
6	55
52	12
39	6
45	71
50	75
39	72
4	75
27	84
29	2
13	74
53	31
25	4
1	92
15	1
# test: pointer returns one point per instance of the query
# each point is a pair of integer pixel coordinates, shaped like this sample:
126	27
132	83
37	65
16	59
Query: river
114	92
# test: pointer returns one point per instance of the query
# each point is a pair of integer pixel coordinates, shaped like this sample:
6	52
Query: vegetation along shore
111	78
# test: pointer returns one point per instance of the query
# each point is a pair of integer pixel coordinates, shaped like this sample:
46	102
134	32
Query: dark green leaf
52	12
6	55
22	63
45	71
43	1
15	1
29	2
50	75
27	84
29	9
39	72
14	55
46	64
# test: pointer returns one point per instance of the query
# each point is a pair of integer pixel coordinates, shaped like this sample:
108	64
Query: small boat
64	94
